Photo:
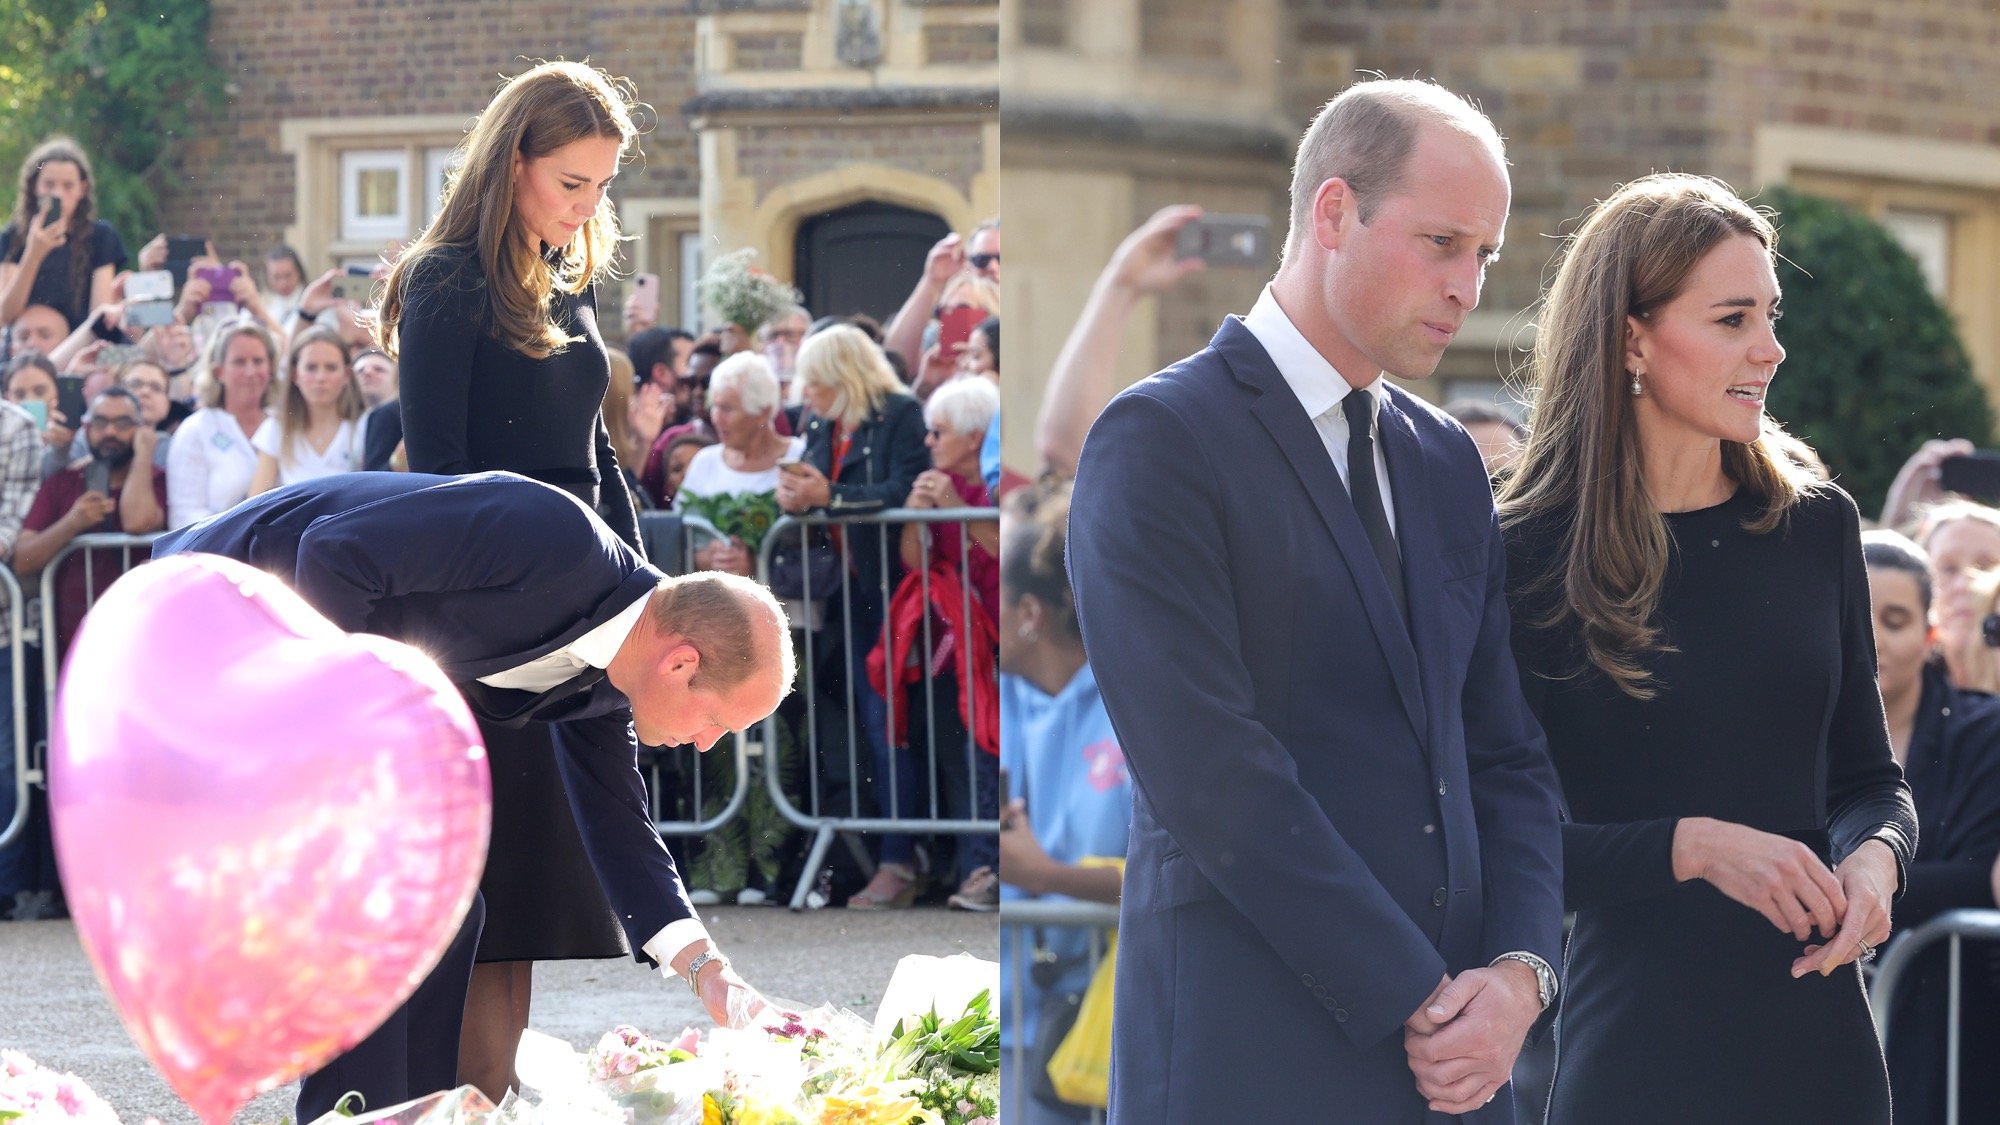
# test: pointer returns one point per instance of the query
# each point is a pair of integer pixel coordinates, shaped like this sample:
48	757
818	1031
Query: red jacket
978	695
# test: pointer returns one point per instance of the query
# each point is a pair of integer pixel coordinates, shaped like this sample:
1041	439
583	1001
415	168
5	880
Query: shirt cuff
675	937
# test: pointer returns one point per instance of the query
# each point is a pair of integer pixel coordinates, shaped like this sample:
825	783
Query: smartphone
956	325
150	285
112	356
352	270
52	210
646	287
149	314
790	464
219	279
1972	474
183	249
1226	240
37	410
97	478
349	288
69	400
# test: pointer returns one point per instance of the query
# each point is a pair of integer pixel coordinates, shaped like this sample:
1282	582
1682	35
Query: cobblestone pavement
52	1008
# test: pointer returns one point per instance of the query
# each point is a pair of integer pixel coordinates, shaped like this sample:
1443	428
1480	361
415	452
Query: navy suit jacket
483	573
1331	811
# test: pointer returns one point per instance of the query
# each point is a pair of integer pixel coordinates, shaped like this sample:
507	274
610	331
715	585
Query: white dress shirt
595	650
1319	388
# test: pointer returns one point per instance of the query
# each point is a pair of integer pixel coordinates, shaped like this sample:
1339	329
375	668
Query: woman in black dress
492	316
1692	623
1948	741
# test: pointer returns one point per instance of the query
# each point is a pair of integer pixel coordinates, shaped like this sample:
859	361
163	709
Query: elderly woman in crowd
958	415
212	460
742	403
864	449
1947	740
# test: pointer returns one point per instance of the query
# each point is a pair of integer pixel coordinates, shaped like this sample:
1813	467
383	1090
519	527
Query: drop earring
1637	389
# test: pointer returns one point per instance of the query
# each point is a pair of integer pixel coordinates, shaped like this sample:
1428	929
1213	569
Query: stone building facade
1115	107
764	117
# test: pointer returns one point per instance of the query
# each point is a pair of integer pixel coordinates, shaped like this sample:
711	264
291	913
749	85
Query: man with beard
92	496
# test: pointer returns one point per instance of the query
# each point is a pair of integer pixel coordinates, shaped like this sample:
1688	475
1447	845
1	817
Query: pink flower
689	1041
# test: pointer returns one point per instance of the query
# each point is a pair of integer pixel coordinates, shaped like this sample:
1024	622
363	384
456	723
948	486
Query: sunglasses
981	261
117	425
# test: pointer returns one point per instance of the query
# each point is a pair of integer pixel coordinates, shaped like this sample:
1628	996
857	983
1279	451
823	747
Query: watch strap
1545	974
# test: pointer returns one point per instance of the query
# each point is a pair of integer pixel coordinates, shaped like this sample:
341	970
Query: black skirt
543	900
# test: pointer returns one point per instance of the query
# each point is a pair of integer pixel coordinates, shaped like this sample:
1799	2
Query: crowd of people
146	394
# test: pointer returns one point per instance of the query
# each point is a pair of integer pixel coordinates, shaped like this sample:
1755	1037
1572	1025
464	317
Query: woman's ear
1637	343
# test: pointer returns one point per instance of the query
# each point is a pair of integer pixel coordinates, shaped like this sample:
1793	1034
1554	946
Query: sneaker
751	896
980	892
704	897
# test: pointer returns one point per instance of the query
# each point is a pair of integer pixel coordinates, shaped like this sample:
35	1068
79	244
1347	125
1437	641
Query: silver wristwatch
695	967
1545	976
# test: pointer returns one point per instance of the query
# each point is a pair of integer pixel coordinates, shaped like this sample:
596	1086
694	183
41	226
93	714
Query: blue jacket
483	573
1332	811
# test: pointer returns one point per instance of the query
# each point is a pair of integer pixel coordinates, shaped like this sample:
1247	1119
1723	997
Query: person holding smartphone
55	251
101	495
34	386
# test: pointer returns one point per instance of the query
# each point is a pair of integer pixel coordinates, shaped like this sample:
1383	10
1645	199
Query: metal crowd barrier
1019	919
846	822
671	540
52	624
1953	926
27	759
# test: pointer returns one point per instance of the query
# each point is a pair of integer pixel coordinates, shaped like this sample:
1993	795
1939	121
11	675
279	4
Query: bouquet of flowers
955	1065
746	515
734	290
31	1093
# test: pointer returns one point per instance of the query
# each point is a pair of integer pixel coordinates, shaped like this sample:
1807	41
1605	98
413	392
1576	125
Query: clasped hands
1783	880
1463	1039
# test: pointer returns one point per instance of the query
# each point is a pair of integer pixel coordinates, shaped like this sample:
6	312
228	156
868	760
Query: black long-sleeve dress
1954	771
1678	1003
471	404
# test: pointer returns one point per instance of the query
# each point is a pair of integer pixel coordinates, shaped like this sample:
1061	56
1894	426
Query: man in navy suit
1342	899
539	613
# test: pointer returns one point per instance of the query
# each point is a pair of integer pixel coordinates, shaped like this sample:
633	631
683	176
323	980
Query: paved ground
52	1008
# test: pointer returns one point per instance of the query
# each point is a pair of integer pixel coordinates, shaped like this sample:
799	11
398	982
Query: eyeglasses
981	261
118	425
699	383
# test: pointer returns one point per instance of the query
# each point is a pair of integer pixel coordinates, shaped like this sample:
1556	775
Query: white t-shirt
208	466
709	475
343	453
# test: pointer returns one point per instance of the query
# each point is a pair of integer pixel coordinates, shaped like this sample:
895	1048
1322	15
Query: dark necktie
1366	491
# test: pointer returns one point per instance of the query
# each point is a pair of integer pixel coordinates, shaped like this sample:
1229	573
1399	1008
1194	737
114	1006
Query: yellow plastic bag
1080	1069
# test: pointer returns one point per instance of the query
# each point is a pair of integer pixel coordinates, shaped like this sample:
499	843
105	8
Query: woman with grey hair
743	401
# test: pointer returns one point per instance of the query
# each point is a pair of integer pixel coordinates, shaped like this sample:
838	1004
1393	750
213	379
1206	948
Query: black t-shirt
53	285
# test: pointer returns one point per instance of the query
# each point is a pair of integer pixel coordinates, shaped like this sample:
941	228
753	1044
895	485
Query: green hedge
1874	365
127	80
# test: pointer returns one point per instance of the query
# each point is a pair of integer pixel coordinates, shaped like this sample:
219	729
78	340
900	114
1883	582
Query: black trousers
415	1051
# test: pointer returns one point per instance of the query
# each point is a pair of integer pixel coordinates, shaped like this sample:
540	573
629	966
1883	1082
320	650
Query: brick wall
776	154
364	58
777	50
954	44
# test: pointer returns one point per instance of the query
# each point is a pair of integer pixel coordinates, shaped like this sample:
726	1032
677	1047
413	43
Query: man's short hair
1365	137
649	347
718	614
707	347
114	392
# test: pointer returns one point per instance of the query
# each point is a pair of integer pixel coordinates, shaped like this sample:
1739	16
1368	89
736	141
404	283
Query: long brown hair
27	212
297	415
535	113
1631	257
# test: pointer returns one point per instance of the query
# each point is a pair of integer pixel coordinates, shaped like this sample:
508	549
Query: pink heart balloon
269	830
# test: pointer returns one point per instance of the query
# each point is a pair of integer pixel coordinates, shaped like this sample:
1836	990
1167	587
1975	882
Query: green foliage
128	81
1874	365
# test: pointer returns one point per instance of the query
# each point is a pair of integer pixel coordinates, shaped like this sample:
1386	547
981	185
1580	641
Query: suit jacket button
1340	1015
1441	787
1308	979
1437	897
